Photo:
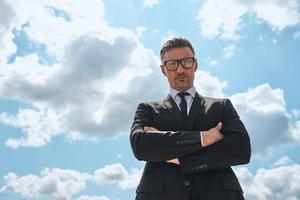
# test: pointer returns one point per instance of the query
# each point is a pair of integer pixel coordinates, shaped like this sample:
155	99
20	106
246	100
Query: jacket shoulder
211	100
154	104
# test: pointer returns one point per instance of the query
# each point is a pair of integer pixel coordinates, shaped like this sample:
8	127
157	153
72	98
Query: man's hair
176	42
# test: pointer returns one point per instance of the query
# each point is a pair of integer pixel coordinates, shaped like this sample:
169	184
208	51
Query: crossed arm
207	137
225	145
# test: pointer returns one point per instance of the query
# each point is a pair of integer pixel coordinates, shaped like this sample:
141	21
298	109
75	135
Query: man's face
181	79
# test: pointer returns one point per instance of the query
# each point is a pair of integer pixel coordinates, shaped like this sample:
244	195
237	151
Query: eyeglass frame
180	61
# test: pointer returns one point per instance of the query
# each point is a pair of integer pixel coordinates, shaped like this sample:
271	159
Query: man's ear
162	68
196	65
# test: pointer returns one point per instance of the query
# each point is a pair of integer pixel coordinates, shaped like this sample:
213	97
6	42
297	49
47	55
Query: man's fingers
219	126
147	128
174	161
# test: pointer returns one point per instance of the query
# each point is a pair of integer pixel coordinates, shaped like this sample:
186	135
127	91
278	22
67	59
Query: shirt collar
191	91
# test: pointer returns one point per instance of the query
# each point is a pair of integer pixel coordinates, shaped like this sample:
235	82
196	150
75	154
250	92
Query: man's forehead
178	53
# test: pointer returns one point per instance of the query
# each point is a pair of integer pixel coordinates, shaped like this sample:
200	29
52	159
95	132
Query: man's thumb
219	126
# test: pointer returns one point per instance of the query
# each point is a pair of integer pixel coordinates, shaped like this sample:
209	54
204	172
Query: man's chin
182	88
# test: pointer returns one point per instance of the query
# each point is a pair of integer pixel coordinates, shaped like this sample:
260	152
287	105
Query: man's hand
174	161
149	129
212	135
152	129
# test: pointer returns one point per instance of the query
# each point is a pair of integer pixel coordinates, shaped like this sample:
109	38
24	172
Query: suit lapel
197	106
175	112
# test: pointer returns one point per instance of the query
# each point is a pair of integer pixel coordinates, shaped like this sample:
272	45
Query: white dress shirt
189	98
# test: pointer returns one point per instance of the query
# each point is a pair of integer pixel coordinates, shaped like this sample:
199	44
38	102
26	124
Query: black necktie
183	104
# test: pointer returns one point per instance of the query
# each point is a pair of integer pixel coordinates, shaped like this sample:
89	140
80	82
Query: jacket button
186	183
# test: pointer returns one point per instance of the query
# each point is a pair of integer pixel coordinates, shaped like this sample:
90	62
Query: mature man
189	141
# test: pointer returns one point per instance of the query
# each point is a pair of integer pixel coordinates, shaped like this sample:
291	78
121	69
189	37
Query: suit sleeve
233	149
160	146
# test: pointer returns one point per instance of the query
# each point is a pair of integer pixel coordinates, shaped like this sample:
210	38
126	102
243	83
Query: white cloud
85	197
63	184
229	50
132	180
264	113
7	16
90	84
278	14
56	32
116	173
224	19
58	184
150	3
208	85
275	183
295	130
283	161
40	125
218	18
110	173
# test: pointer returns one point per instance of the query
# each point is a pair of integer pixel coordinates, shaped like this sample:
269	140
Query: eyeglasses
186	63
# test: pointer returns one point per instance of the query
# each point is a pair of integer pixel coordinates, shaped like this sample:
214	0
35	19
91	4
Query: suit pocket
231	184
150	186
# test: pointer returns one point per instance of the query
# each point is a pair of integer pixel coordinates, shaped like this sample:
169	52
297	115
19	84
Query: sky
73	72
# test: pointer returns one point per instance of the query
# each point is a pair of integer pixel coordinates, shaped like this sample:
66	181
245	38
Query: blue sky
73	72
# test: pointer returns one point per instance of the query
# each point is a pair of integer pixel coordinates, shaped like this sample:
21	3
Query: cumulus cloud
217	18
40	126
295	130
209	85
49	28
58	184
268	122
276	183
278	14
110	173
116	173
224	20
7	15
8	18
63	184
283	161
91	89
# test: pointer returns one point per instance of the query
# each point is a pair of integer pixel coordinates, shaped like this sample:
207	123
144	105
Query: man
189	141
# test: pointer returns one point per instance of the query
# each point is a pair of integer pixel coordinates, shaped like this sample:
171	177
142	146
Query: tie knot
183	94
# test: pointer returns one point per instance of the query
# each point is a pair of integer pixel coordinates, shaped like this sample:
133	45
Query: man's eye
171	63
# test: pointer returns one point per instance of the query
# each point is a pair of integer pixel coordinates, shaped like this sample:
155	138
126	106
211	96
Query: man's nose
180	67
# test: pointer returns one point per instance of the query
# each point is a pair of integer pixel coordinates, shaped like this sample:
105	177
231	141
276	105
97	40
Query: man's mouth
181	77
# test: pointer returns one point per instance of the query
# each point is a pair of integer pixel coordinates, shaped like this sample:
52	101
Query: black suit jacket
206	168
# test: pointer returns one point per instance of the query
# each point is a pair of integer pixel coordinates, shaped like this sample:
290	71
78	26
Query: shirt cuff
201	138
